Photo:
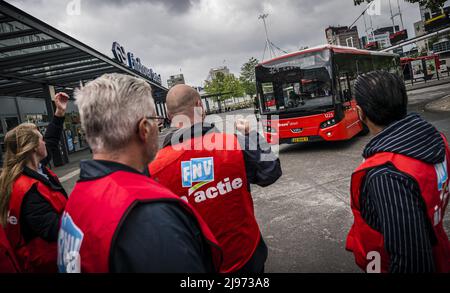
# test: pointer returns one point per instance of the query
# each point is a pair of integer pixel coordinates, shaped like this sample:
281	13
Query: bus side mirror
338	111
347	96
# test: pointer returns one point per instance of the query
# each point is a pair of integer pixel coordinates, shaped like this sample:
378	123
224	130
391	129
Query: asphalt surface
305	216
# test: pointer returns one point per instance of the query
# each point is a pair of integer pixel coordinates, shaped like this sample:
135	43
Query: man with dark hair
400	193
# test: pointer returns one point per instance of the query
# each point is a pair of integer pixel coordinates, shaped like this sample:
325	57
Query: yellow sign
300	139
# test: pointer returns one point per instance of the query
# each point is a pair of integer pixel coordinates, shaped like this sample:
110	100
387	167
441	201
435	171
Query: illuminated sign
129	60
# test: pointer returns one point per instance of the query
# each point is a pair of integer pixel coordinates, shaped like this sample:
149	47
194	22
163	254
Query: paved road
306	215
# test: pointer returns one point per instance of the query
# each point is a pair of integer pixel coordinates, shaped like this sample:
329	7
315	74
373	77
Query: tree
431	4
226	84
247	78
234	86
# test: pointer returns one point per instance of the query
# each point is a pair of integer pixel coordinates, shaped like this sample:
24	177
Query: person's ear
200	105
361	114
144	129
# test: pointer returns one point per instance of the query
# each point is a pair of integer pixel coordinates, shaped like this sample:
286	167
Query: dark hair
382	96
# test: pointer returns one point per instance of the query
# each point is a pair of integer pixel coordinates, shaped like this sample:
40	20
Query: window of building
2	131
11	122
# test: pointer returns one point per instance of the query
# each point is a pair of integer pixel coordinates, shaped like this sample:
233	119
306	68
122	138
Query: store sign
417	69
430	65
129	60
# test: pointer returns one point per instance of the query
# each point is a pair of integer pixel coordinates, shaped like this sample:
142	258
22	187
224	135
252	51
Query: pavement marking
69	176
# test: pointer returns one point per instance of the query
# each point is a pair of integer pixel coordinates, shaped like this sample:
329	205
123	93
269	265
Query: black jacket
391	202
38	218
261	171
154	237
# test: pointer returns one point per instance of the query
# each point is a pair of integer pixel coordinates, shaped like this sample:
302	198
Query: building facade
175	79
419	30
343	36
435	19
214	71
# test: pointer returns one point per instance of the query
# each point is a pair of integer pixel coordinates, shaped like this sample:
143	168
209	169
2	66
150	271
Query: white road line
69	176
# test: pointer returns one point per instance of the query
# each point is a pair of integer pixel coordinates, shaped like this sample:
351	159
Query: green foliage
232	86
225	84
247	77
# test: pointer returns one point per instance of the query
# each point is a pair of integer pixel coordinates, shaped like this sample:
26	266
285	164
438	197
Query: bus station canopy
35	57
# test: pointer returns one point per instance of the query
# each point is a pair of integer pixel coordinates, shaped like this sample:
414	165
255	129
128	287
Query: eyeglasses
159	120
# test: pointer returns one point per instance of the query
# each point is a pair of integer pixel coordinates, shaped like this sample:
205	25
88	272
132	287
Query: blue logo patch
197	170
69	244
442	174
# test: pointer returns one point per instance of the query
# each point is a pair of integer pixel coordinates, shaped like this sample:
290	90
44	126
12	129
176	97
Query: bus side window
345	87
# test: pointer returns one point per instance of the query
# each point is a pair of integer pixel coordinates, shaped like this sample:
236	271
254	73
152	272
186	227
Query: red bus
308	95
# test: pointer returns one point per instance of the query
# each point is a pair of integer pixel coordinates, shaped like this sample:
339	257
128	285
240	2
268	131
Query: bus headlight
271	130
328	123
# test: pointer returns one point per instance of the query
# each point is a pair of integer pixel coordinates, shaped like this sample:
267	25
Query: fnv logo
442	174
197	170
443	181
69	243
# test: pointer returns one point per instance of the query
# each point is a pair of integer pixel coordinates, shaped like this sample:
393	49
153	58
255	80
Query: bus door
346	97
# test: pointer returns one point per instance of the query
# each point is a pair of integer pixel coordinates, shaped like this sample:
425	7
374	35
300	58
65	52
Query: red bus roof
336	49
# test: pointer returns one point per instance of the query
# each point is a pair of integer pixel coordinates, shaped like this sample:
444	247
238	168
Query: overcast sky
196	35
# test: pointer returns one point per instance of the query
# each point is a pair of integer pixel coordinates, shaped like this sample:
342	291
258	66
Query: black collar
199	129
96	169
51	182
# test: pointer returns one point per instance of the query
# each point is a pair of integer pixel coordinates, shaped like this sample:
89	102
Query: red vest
209	172
8	261
37	255
95	211
433	181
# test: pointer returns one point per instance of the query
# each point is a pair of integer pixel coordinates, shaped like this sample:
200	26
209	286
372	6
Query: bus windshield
296	84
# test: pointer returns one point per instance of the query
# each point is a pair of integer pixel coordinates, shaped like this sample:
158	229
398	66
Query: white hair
110	109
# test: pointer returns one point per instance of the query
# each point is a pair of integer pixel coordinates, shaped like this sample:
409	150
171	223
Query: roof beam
4	19
21	78
30	83
83	76
13	90
29	45
18	34
68	73
53	62
64	67
40	57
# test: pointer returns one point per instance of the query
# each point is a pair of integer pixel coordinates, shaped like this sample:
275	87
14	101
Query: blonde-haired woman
31	197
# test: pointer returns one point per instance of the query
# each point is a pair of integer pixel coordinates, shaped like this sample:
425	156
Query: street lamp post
268	43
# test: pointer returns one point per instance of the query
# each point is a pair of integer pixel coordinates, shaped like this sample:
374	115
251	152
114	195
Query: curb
426	85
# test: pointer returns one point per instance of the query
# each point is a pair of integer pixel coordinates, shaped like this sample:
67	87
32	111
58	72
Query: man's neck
374	129
181	121
124	157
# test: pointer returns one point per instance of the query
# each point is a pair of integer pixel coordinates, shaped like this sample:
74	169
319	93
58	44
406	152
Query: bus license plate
300	139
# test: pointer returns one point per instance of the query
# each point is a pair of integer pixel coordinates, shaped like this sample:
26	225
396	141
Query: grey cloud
175	6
